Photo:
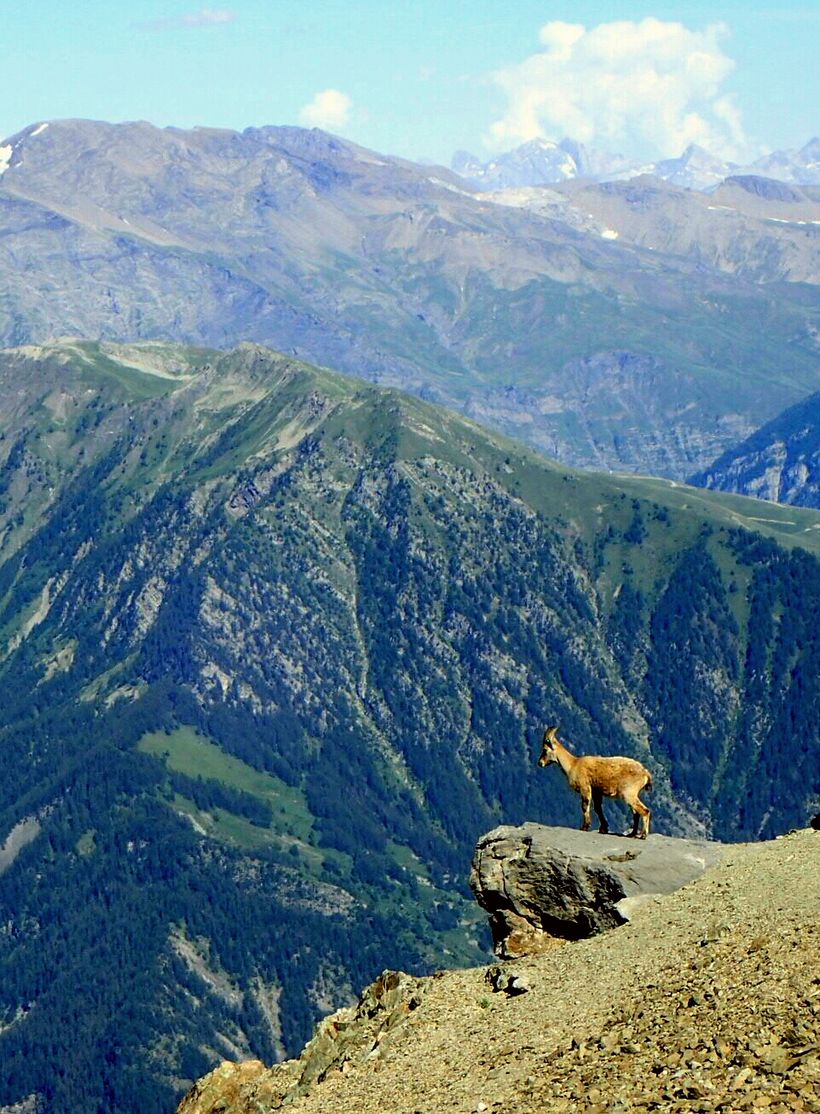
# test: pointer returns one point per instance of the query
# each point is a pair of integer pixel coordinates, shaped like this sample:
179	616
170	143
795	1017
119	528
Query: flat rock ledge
539	883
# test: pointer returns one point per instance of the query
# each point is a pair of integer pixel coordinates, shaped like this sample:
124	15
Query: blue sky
421	78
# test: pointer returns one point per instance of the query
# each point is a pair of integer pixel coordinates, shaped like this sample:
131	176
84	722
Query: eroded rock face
780	461
539	883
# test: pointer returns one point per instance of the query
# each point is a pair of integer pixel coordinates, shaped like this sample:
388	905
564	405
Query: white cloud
207	17
650	87
328	109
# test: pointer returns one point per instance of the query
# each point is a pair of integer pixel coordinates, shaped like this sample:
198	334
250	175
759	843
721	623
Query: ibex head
548	747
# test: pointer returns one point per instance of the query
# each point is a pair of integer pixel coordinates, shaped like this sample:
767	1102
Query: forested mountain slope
277	646
609	343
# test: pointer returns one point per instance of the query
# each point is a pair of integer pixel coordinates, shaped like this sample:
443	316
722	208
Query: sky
424	78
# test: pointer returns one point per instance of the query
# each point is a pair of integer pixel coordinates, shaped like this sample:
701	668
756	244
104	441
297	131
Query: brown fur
595	777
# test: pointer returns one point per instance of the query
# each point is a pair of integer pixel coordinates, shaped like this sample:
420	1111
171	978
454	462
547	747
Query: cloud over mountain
628	85
328	109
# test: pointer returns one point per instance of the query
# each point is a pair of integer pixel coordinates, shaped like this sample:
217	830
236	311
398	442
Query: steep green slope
276	648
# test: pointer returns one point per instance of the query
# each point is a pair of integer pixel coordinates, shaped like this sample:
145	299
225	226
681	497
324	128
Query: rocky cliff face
706	1000
780	462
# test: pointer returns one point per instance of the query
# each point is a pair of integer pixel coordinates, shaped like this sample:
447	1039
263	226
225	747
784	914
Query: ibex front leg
598	805
586	799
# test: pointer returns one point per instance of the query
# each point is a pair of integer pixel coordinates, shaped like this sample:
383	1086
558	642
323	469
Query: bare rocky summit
707	1001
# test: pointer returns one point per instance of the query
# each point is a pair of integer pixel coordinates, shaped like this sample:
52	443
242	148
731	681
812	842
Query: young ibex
595	778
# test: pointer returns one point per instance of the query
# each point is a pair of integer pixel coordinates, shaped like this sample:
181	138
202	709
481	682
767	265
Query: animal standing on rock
595	777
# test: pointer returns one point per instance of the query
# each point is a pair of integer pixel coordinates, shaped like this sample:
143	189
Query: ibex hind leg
640	813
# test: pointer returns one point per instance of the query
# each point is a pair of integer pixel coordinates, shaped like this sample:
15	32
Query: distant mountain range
749	227
542	162
632	326
538	162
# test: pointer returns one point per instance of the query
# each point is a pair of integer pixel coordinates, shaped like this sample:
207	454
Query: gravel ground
708	1001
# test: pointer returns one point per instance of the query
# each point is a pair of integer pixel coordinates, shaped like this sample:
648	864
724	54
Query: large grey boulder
538	883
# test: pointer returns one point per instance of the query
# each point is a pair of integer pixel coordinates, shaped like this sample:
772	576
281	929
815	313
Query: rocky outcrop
539	883
351	1037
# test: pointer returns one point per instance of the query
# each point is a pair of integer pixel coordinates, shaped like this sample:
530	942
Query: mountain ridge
779	462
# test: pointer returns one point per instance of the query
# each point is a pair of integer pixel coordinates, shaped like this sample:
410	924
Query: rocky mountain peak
810	153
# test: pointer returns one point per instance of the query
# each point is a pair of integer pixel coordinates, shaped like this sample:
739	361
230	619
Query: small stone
518	984
778	1059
